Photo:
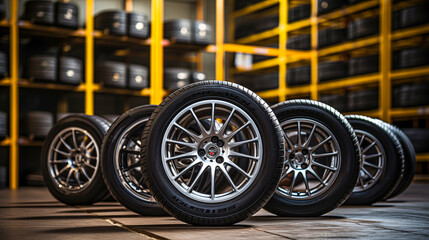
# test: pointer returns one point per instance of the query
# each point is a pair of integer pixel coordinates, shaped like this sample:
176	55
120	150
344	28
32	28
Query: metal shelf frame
281	57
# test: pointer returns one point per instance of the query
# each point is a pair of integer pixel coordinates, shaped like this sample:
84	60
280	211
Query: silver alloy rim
313	159
73	159
127	161
373	157
216	162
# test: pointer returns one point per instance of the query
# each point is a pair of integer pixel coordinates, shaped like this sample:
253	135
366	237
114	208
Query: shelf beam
14	98
283	20
314	53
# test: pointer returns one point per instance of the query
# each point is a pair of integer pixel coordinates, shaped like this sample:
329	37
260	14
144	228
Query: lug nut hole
219	159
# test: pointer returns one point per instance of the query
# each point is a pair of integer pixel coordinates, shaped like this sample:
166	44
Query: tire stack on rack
179	30
298	76
70	70
111	74
337	101
38	124
175	78
363	27
112	22
3	125
3	65
361	100
411	95
62	14
42	68
258	82
328	71
411	16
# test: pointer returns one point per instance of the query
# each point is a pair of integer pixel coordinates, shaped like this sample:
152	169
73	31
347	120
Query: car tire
76	137
235	193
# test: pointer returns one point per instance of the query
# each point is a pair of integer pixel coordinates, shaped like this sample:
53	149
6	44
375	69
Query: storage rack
88	87
282	57
384	40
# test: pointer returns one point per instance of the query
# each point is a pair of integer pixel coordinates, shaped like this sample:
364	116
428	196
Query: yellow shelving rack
281	57
383	40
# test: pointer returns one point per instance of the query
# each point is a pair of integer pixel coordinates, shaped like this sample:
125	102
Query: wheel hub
299	160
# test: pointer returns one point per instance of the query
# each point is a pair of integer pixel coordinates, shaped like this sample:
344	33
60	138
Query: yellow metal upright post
14	97
283	8
89	58
220	54
385	91
314	53
128	5
156	52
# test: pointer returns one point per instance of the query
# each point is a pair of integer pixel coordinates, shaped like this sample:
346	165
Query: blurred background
364	57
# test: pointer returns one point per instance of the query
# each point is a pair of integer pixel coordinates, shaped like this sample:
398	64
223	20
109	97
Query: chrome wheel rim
373	157
128	163
313	159
73	159
212	151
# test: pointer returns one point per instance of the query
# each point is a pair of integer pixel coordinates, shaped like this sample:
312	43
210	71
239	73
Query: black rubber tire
394	161
96	190
350	162
110	174
233	210
409	161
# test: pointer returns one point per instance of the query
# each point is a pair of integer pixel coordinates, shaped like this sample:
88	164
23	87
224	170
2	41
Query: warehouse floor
32	213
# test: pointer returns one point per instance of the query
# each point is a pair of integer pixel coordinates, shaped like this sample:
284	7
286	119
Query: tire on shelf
383	161
322	163
70	160
121	162
242	181
409	160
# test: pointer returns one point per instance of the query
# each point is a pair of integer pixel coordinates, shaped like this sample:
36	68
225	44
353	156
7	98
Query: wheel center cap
299	160
212	150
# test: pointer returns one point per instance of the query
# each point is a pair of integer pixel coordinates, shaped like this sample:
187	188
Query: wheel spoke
371	165
76	176
212	119
62	170
292	185
372	156
66	144
362	139
324	166
74	138
310	170
136	142
312	149
202	129
203	168
89	145
232	164
367	173
191	145
231	135
318	155
212	181
226	174
288	171
298	134
225	124
85	174
237	154
61	152
361	182
130	151
307	188
368	147
89	165
187	168
191	134
235	144
307	142
69	175
184	155
132	166
61	161
289	142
